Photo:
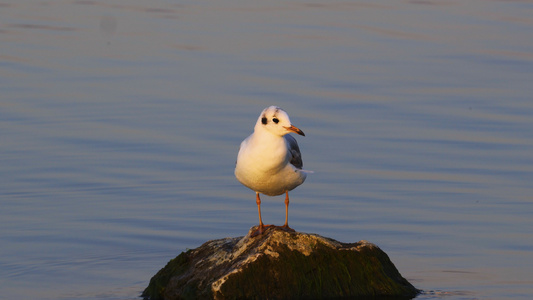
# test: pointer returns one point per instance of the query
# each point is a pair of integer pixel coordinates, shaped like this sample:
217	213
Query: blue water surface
120	123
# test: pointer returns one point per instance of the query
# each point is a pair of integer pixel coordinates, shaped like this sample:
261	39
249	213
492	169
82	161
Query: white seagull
269	160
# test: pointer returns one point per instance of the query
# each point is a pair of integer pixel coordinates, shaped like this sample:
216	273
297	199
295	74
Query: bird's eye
275	120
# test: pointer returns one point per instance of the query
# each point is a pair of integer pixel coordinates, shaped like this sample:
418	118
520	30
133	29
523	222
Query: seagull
269	160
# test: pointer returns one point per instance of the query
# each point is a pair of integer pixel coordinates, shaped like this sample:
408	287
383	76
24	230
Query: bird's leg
258	201
262	227
286	210
286	225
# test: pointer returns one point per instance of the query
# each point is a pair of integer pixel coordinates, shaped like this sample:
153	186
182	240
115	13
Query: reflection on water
121	123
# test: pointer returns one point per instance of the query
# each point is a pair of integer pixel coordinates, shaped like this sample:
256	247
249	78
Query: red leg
258	201
286	225
262	227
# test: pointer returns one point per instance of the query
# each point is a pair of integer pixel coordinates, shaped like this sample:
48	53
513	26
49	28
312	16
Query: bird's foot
286	228
261	229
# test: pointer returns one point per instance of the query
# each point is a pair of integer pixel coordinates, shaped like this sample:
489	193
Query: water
120	124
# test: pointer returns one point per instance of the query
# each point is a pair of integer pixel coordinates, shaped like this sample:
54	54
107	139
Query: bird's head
276	121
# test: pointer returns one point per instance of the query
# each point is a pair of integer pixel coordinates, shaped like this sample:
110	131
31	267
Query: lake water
120	123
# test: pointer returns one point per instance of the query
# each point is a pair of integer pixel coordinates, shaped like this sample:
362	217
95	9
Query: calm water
120	123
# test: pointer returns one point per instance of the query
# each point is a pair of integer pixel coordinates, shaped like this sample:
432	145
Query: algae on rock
280	265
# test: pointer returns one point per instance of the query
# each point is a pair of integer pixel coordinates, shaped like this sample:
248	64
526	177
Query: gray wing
294	150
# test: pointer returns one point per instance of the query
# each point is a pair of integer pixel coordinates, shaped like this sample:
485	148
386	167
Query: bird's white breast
264	167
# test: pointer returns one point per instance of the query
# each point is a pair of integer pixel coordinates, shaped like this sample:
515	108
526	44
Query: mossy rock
280	265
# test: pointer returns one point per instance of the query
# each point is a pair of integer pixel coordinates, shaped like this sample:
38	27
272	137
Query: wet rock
280	265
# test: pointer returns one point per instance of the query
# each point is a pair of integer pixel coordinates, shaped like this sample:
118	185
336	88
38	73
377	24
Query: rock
279	265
